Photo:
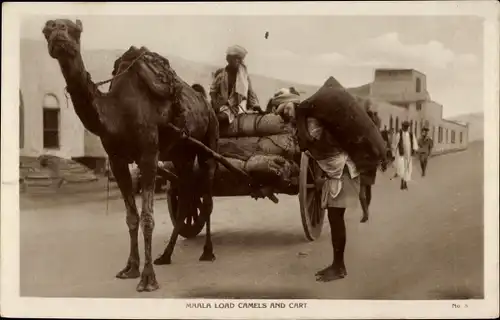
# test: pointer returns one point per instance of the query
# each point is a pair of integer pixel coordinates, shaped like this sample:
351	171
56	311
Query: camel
133	125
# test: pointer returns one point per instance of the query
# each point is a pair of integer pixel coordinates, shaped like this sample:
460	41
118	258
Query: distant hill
476	124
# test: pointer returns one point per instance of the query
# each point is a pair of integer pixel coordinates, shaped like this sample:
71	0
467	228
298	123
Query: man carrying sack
336	131
231	90
425	145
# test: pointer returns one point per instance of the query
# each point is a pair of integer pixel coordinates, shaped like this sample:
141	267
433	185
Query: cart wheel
192	225
310	199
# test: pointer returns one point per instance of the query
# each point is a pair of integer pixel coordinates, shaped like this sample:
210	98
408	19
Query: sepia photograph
250	160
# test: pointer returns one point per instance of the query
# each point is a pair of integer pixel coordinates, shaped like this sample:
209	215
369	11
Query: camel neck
84	93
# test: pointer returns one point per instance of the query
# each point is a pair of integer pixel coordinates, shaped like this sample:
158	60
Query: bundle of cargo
284	144
347	122
270	171
262	146
254	125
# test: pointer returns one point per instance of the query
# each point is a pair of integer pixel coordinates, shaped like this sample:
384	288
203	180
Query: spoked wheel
193	223
310	198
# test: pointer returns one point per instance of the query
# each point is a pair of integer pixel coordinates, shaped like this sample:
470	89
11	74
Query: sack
348	122
254	125
242	148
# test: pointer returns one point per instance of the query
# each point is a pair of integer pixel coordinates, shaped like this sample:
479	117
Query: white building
401	94
48	123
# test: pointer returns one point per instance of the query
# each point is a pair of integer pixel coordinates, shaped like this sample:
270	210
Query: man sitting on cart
231	90
340	188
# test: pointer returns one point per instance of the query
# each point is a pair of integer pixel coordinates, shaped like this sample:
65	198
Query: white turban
237	50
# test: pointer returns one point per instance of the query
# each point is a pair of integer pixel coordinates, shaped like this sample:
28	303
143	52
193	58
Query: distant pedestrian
425	145
390	150
405	145
387	136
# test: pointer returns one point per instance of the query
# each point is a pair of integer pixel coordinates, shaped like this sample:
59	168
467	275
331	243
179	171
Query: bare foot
148	280
364	219
332	273
323	271
131	271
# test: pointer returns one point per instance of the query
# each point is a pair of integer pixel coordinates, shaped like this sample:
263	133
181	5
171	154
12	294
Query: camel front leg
148	166
122	175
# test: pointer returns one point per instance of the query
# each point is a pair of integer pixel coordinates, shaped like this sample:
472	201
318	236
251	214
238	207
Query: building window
461	137
452	136
434	132
397	124
418	86
419	106
21	120
391	124
51	122
440	135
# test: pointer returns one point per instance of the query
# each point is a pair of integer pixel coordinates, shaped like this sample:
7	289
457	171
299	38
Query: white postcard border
13	305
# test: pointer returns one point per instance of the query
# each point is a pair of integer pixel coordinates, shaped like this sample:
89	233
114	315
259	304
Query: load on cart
266	147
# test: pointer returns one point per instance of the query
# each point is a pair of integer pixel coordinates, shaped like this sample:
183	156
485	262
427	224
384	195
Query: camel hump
154	70
133	52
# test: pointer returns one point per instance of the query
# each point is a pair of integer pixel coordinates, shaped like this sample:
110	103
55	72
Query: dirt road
425	243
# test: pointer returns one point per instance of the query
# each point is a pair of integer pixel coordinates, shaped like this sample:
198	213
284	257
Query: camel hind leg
184	167
208	165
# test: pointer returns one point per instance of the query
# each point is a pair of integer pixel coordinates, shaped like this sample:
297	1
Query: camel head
63	37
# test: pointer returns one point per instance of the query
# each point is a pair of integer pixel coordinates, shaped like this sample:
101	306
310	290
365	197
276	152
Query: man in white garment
405	145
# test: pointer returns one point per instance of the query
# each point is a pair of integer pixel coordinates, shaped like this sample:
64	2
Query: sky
309	49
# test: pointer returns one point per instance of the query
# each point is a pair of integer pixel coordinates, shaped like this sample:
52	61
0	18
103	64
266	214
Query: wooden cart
312	216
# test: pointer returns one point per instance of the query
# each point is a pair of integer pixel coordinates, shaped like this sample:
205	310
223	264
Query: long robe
404	163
